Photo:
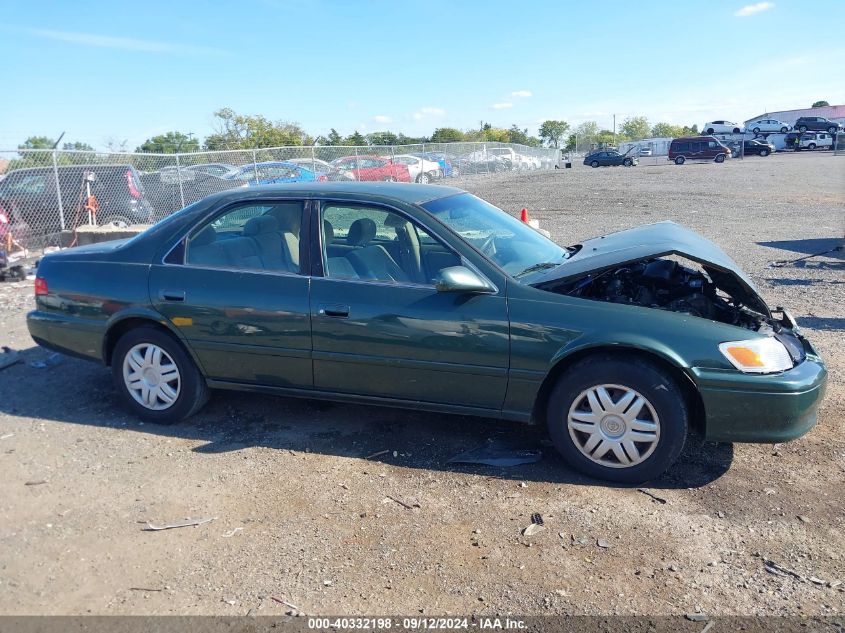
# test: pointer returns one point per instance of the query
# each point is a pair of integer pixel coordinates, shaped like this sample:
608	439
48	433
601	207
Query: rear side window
682	147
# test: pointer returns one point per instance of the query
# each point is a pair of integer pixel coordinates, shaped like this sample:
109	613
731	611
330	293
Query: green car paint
493	354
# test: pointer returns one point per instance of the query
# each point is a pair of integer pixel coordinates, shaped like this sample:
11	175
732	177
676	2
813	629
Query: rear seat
237	252
264	231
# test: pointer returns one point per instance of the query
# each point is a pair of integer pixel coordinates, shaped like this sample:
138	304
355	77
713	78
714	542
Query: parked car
420	169
374	168
610	158
817	124
766	125
722	127
166	195
443	161
30	194
815	140
698	148
481	163
332	173
518	160
275	172
755	146
213	169
645	151
427	297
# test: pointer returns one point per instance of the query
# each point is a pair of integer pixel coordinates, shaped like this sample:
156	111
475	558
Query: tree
551	131
356	138
820	104
37	142
635	128
76	145
587	133
239	131
332	138
382	138
447	135
667	130
169	143
521	137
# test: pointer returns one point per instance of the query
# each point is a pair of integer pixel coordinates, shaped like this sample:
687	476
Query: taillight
133	189
41	287
322	178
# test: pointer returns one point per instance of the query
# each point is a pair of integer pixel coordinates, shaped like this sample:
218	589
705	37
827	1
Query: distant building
834	113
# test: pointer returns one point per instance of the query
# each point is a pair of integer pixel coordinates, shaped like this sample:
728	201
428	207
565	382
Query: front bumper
753	408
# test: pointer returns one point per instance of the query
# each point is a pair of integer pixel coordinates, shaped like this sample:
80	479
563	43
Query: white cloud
428	112
381	118
123	43
522	94
751	9
504	105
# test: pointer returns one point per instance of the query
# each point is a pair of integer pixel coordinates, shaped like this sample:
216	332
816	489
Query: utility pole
614	129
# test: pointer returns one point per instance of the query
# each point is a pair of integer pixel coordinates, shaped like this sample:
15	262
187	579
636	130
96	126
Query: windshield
512	245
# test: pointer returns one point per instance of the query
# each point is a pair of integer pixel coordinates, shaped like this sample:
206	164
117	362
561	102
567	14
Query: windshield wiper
536	267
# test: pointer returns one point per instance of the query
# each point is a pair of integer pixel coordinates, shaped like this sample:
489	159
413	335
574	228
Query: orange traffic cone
524	216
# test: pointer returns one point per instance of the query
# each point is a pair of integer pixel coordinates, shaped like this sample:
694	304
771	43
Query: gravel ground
302	516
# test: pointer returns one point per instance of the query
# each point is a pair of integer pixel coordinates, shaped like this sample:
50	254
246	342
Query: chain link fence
46	195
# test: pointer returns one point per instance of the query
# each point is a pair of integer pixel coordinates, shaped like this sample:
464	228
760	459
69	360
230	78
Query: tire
784	130
663	409
424	179
756	130
189	386
811	146
390	179
120	221
736	130
710	130
764	152
720	158
594	164
802	129
831	130
680	160
628	162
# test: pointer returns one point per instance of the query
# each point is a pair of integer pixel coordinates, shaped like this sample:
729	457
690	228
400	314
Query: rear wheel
423	179
594	164
831	130
680	160
802	128
119	221
811	146
710	130
756	130
390	179
620	418
784	130
156	378
720	158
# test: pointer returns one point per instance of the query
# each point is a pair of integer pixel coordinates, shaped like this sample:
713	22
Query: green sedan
428	297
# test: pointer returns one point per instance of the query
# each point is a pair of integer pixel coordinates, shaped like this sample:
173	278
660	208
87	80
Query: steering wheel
488	247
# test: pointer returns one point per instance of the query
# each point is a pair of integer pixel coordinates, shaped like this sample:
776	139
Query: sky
126	71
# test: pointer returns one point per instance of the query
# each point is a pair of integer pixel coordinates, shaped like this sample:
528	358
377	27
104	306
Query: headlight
757	356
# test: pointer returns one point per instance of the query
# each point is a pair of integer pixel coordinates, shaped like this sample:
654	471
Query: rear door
239	297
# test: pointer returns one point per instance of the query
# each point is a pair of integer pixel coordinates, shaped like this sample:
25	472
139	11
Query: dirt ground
301	515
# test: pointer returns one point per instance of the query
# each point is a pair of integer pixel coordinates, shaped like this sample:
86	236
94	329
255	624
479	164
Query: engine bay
663	284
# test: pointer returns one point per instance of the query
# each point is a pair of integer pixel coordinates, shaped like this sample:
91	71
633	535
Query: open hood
657	240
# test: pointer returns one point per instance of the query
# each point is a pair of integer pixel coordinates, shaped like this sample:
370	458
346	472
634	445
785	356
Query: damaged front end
667	267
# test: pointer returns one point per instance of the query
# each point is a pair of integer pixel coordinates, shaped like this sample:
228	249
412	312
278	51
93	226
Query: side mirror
461	279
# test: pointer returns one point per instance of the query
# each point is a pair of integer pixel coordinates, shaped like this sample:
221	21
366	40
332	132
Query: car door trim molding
404	363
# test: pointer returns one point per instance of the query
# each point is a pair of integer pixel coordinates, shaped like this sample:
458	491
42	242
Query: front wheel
679	160
811	146
831	130
756	130
784	130
764	152
620	418
720	158
802	128
390	179
594	164
627	162
423	179
156	378
710	130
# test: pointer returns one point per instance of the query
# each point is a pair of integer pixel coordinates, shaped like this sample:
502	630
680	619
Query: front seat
371	261
409	246
289	218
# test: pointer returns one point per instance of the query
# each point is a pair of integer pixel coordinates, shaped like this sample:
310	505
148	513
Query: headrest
361	233
261	224
288	215
204	237
394	221
328	232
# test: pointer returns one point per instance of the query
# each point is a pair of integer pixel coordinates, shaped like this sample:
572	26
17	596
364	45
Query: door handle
172	295
336	311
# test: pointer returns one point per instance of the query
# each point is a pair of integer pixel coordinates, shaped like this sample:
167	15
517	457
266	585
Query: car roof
408	193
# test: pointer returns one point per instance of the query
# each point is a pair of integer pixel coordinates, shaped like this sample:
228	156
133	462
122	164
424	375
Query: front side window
32	183
512	245
369	243
256	236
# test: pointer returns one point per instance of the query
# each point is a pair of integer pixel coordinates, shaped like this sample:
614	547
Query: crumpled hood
656	240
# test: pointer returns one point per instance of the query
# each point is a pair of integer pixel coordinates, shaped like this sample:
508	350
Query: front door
237	293
380	328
